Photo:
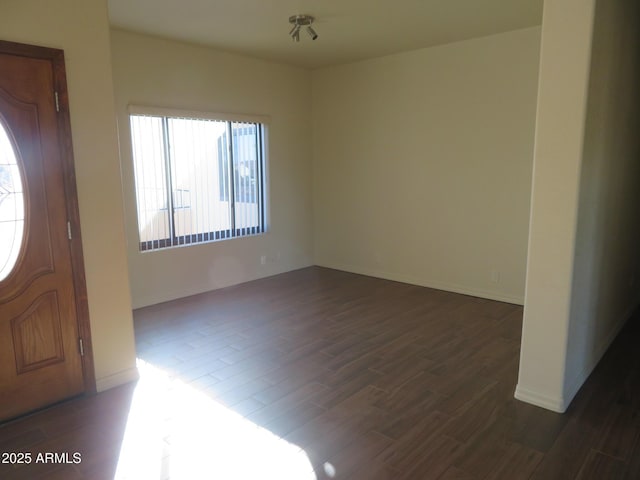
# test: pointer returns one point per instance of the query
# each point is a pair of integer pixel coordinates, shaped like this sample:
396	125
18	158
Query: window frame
263	191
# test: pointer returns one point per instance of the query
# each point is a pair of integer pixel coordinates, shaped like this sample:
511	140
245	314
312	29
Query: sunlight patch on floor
175	431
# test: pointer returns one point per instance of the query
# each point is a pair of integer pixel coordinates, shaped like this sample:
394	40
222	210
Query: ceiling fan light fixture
299	21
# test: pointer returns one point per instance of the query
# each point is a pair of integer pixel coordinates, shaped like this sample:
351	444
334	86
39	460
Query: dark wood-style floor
337	376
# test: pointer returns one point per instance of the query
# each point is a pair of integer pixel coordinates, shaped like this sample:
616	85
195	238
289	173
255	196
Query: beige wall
150	71
606	286
422	164
80	28
583	267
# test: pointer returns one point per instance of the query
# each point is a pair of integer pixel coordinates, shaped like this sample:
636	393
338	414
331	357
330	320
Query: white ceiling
348	30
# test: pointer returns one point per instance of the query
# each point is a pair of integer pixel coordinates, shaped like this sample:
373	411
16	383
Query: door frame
56	57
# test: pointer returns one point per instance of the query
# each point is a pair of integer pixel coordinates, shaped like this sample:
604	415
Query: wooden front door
43	314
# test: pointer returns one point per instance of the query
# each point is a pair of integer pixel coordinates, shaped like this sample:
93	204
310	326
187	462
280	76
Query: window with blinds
197	179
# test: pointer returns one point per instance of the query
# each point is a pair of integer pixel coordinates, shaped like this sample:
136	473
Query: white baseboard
555	404
429	283
561	403
117	379
155	298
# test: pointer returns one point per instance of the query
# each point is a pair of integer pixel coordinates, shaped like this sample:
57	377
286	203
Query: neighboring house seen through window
197	179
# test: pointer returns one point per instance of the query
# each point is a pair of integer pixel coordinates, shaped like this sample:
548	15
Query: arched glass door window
11	205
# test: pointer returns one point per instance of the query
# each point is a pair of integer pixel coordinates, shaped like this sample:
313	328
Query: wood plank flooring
323	374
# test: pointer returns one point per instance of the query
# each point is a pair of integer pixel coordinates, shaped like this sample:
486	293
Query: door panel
40	359
37	334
